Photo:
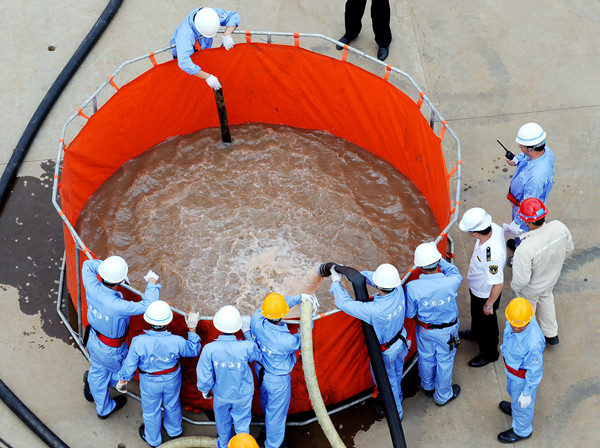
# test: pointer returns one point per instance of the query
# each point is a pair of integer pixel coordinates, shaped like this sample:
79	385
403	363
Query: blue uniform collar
157	333
227	337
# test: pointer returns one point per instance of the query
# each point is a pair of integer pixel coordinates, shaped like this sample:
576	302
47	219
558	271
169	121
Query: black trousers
380	16
485	328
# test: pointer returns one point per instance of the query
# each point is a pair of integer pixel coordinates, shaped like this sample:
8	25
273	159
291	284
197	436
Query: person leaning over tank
108	316
156	355
224	367
533	177
278	347
196	32
486	280
431	300
386	314
538	262
522	348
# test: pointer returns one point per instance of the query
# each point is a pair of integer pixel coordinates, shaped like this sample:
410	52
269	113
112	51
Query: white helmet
113	269
158	313
386	276
475	219
531	134
228	319
427	254
207	22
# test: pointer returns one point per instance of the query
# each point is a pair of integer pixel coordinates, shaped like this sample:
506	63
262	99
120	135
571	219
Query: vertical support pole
79	318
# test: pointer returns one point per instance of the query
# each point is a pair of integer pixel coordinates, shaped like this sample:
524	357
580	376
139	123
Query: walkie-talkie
509	155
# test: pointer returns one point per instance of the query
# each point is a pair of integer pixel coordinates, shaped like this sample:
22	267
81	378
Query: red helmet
532	209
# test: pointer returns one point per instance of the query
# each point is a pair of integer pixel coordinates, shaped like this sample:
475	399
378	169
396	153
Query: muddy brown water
229	224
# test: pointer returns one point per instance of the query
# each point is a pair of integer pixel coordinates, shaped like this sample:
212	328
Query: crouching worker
224	368
522	349
156	354
278	347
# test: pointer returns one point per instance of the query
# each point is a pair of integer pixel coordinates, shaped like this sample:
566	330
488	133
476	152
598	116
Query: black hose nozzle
324	269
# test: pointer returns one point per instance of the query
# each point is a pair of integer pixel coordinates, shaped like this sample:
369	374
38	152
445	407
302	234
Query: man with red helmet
538	261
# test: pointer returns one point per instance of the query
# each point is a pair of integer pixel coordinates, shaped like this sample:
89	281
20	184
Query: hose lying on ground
191	442
310	376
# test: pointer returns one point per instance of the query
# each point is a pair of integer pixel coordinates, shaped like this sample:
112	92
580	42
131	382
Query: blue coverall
186	35
523	351
109	314
386	314
278	347
223	367
153	352
532	179
432	298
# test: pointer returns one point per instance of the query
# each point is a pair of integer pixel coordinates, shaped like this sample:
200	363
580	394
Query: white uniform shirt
487	263
539	258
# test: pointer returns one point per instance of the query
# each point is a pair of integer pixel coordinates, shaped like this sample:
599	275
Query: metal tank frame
91	104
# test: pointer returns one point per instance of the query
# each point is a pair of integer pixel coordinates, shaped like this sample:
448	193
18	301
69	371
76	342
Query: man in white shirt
485	279
538	261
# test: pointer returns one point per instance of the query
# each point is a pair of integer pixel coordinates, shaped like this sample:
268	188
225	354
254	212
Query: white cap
386	276
530	134
228	319
207	22
158	313
113	269
427	254
475	219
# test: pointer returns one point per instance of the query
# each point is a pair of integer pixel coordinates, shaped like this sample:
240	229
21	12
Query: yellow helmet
274	306
242	440
519	312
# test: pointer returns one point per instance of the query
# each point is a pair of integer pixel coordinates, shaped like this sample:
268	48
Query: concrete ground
489	67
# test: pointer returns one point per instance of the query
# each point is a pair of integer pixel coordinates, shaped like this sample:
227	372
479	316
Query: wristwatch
487	307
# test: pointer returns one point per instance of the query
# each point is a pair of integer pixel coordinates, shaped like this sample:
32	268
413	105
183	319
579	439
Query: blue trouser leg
105	363
426	359
278	392
445	364
241	413
393	360
223	421
172	417
152	395
521	418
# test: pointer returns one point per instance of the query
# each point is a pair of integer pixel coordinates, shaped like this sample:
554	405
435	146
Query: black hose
18	155
29	418
359	284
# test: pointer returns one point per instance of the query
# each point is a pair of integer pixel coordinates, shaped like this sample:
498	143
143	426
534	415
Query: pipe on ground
191	442
359	284
29	418
18	155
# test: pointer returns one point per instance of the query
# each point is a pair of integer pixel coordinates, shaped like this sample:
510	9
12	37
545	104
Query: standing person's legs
546	314
426	359
476	316
521	418
223	421
353	18
280	391
151	401
380	16
445	355
242	415
172	418
489	336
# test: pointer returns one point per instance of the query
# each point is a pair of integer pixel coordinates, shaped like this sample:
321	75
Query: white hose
191	442
310	376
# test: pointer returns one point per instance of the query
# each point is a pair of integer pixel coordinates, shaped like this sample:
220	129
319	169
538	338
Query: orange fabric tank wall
270	84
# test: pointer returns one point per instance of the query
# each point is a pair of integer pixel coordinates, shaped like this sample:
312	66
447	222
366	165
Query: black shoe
382	54
552	340
510	437
120	400
429	393
141	432
478	361
86	387
467	335
455	393
511	244
505	407
344	40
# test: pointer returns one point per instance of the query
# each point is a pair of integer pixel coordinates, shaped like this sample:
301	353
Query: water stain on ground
32	248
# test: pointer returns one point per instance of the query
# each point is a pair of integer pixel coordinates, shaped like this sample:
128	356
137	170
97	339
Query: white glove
213	82
149	275
312	300
227	42
192	319
121	386
335	275
524	400
512	229
246	323
207	396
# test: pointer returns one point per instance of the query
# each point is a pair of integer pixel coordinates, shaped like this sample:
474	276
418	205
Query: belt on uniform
391	342
161	372
436	326
112	342
518	373
512	199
